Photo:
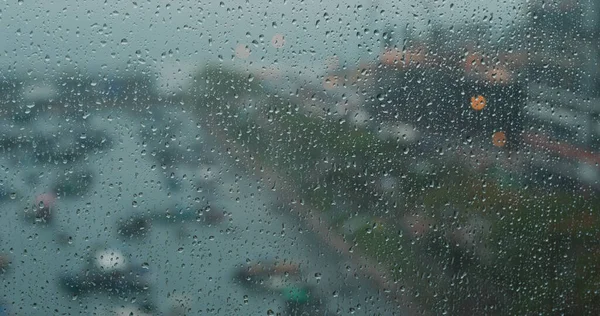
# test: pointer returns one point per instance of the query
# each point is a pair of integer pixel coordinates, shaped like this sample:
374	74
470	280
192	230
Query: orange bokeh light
478	102
499	139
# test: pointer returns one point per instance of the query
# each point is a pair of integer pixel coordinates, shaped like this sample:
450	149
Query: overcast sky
46	35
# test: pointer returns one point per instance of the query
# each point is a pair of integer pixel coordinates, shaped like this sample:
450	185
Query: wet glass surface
300	158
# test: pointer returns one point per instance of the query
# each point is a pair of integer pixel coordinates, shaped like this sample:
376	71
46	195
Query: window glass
300	157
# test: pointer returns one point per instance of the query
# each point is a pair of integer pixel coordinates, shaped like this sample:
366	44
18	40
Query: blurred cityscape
456	173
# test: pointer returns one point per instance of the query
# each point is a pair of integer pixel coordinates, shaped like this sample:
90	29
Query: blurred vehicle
303	300
70	184
44	208
399	132
9	134
36	97
76	181
108	270
139	225
4	263
135	310
52	143
4	309
134	227
267	275
286	279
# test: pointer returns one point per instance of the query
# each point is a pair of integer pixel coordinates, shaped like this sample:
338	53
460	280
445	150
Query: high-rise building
561	112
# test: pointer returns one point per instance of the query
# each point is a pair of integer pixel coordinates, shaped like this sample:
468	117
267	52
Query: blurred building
431	82
562	122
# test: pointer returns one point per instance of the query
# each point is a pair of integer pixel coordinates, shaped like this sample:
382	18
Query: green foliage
535	250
